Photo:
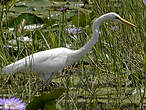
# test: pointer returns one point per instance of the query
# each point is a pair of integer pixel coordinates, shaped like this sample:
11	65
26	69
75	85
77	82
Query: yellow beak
126	22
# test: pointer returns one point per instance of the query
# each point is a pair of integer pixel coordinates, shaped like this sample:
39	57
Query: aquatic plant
73	30
12	104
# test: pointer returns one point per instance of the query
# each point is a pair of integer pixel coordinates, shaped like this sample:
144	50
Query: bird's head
109	16
116	17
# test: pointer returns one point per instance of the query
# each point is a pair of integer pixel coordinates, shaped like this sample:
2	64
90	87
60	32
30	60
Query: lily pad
29	18
47	101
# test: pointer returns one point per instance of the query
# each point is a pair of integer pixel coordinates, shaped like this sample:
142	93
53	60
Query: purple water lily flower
63	9
11	104
73	30
144	1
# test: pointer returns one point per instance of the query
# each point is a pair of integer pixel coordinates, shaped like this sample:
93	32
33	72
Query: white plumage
42	63
45	63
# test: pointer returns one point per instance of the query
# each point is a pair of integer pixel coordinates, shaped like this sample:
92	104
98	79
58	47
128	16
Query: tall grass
103	79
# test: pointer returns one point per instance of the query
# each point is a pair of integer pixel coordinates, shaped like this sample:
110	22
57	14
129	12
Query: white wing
47	61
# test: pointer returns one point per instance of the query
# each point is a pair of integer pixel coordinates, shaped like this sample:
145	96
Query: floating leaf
46	101
50	106
29	18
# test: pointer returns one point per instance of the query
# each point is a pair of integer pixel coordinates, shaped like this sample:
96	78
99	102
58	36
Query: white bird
45	63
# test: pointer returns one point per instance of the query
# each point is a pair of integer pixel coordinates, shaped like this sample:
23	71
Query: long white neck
95	29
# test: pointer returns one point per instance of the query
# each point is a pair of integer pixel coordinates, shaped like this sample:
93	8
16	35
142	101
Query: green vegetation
111	76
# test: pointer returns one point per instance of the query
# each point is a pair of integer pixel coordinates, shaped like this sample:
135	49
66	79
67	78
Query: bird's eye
117	18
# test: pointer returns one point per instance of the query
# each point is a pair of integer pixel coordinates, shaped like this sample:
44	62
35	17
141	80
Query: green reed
103	79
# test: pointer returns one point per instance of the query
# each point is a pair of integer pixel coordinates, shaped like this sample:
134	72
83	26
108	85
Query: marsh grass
103	79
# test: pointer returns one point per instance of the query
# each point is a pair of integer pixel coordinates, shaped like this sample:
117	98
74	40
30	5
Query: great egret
46	63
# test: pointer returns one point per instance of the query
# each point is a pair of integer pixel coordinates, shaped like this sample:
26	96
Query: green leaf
46	100
29	18
50	107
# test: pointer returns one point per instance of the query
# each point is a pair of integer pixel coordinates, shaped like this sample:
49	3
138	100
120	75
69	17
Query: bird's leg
54	84
45	86
48	84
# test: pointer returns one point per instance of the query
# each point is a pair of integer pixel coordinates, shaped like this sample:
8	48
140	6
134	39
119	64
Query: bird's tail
18	66
12	68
